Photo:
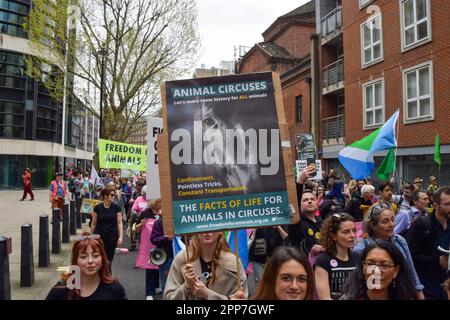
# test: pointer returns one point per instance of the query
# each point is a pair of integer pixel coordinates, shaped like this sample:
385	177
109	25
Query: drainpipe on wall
315	91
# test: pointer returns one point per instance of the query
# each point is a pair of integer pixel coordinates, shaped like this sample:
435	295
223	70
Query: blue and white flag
177	245
357	158
242	245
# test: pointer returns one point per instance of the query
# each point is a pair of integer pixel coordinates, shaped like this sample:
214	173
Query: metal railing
333	127
333	73
331	22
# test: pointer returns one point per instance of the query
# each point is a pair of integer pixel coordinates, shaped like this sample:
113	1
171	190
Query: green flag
387	166
437	150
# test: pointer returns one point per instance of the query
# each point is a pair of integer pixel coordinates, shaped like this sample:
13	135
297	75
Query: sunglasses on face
91	236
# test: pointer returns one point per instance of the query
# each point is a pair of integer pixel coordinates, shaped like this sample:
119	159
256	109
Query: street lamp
102	52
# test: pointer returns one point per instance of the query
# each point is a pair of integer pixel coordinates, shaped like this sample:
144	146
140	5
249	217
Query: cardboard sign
227	165
154	127
88	205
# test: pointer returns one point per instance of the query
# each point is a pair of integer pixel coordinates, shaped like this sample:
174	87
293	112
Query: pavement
15	213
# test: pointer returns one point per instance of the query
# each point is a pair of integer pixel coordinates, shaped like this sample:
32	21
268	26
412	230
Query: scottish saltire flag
357	158
242	245
177	245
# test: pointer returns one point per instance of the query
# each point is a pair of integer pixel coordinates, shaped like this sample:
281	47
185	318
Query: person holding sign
107	222
209	273
305	235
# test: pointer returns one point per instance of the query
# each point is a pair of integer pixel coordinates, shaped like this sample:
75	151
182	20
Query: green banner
118	155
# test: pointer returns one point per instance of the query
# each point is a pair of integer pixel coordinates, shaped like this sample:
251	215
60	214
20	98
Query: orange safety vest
55	188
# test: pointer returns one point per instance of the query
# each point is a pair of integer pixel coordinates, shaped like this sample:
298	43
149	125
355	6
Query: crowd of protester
353	240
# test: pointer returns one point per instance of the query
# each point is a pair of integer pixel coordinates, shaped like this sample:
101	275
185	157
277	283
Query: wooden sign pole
238	274
286	150
186	241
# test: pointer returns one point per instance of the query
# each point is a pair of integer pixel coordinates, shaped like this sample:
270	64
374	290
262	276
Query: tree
146	42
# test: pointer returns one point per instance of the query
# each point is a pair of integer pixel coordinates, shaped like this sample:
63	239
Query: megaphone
158	256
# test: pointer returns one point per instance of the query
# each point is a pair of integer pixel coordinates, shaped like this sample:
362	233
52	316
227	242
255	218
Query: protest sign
118	155
154	127
228	152
88	205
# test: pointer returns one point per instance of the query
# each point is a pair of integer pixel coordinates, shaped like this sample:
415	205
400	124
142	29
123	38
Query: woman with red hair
92	279
287	276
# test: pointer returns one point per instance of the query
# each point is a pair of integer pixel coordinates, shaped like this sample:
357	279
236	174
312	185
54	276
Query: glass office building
31	122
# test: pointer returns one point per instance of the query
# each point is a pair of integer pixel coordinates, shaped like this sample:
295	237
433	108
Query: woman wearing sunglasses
332	267
381	274
379	225
107	222
92	279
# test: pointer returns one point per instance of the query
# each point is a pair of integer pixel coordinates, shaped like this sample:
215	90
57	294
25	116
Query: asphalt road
131	278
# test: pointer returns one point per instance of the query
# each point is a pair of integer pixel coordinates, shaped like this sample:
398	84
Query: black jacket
329	206
160	240
423	241
305	234
265	242
354	208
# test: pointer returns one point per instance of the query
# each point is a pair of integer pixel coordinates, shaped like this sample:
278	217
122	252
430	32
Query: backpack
71	185
426	221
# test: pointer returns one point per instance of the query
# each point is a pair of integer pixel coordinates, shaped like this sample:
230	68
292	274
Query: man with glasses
426	234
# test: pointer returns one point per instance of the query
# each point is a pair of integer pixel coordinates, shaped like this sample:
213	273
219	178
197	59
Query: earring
393	283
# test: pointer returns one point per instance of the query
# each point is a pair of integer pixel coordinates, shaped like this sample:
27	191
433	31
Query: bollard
5	282
26	256
56	232
77	210
65	224
44	244
72	223
83	215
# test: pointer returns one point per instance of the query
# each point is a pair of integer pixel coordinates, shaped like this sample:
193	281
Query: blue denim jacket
402	245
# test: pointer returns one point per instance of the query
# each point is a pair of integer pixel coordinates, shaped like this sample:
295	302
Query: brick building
400	59
286	50
346	70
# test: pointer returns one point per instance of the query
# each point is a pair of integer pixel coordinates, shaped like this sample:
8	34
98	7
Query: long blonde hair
195	250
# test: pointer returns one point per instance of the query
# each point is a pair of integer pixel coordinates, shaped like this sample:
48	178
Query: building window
418	93
298	108
371	41
373	95
363	3
416	23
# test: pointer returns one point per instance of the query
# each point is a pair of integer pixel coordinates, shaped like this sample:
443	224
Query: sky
223	24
